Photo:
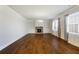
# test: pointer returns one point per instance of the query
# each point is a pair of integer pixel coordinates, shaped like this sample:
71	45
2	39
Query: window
73	23
55	25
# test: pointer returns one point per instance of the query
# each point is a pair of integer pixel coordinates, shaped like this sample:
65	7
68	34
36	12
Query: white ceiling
39	11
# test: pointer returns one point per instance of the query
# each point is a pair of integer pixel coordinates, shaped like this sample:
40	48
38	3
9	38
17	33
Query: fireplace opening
39	29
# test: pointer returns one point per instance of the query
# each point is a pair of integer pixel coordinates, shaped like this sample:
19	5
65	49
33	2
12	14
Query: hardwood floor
40	44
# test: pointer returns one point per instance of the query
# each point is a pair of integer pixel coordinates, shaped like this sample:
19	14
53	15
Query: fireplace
39	29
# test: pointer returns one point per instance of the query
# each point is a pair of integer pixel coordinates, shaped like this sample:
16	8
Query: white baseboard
6	45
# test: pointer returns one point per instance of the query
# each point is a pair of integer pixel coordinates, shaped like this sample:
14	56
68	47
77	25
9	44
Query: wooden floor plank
40	44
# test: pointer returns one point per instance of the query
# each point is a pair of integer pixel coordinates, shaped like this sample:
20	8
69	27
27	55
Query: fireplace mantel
39	29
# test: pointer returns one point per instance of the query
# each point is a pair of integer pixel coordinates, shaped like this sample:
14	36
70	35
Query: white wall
73	39
12	26
30	25
62	15
46	24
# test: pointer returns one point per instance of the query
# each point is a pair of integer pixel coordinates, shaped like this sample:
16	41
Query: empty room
39	29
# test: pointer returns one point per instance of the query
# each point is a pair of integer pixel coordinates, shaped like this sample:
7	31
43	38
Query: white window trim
71	15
